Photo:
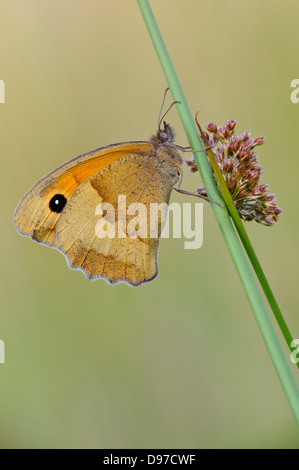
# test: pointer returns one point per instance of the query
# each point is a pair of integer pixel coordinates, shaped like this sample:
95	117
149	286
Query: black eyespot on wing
57	203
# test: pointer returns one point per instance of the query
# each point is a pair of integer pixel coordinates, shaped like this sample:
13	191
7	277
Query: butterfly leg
206	198
180	181
187	149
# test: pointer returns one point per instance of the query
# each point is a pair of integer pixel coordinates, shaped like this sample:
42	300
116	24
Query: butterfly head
165	135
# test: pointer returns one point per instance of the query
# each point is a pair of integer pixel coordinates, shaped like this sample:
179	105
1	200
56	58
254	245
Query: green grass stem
222	216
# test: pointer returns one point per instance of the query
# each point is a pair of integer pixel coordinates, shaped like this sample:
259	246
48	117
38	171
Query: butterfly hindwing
119	255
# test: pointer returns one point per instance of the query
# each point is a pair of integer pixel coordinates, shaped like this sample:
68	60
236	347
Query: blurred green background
178	362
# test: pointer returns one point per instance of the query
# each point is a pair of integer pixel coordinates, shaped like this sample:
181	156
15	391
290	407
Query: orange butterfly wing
59	210
33	216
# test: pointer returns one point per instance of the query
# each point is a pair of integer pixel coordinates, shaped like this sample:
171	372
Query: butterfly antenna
163	101
160	120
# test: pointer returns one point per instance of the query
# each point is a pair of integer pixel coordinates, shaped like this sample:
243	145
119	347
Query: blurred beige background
179	362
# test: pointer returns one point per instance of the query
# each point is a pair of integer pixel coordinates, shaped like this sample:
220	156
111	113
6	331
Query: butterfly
60	210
